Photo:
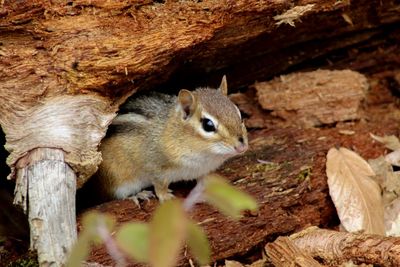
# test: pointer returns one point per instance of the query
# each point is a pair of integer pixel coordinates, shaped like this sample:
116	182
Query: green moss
29	260
305	173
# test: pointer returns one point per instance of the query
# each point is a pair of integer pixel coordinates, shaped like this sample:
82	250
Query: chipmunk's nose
242	146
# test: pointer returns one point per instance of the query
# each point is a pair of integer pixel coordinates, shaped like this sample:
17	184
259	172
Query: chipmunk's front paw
143	195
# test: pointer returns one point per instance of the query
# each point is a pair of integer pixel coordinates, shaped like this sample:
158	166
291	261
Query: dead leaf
390	141
357	197
393	158
392	218
388	180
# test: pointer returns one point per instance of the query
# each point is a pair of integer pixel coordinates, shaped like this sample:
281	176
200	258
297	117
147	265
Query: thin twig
111	246
195	196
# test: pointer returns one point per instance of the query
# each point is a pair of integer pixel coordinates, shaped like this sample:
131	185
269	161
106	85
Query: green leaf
93	221
198	243
227	198
167	233
133	238
80	251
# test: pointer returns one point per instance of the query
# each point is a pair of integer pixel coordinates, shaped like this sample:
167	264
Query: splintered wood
314	98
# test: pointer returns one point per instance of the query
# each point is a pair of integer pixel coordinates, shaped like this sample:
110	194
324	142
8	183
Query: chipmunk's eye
208	125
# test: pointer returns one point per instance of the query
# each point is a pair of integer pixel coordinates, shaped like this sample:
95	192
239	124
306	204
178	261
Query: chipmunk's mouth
241	148
229	150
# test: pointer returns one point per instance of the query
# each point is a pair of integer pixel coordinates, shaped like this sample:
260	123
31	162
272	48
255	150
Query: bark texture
46	191
283	252
65	66
314	98
336	248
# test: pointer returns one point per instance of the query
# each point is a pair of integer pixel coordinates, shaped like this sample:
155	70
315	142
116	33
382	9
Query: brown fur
160	139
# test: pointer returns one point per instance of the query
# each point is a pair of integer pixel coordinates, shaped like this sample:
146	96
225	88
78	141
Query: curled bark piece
335	247
283	252
75	124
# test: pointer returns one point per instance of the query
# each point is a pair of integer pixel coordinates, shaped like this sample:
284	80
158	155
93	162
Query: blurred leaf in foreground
133	238
167	233
80	251
198	243
91	222
228	199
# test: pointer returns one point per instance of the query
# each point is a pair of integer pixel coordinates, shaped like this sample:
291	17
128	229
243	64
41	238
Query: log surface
336	248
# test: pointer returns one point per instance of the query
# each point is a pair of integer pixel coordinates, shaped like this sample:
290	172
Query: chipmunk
158	139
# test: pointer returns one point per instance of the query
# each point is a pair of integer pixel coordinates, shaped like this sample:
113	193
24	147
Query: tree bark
283	252
335	248
65	66
45	189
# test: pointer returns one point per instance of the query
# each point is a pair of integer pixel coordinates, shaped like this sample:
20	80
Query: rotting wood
283	252
314	98
45	189
112	49
288	198
335	248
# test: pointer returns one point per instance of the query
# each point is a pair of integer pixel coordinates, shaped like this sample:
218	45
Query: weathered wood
314	98
46	188
336	248
283	252
110	49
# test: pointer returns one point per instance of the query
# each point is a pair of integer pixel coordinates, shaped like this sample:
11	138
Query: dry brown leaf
390	141
393	158
388	180
357	197
392	218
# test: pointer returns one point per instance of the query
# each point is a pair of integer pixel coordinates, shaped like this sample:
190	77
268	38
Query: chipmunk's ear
223	88
187	102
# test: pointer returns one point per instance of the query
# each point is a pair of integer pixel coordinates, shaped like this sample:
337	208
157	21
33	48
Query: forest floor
284	170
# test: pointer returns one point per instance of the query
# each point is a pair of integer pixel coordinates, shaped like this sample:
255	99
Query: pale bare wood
335	248
46	188
283	252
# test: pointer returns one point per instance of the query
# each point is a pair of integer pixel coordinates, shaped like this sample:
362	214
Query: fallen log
335	248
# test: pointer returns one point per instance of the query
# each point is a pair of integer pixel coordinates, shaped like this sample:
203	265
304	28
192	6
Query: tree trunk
45	189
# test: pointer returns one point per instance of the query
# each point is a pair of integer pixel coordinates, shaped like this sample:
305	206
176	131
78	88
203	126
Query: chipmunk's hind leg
142	195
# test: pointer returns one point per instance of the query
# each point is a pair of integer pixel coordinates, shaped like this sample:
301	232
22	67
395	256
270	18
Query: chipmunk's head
213	121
